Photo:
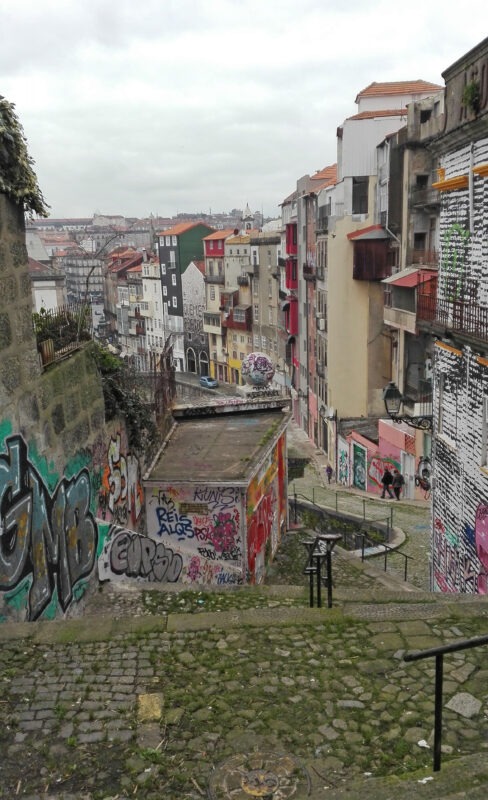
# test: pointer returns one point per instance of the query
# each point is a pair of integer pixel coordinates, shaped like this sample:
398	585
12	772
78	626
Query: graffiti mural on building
259	530
121	493
203	524
343	462
376	468
481	542
455	562
127	554
48	540
454	251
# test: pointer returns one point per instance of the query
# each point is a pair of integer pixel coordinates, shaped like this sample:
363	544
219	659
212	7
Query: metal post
329	577
336	499
295	508
364	508
362	548
319	588
439	659
386	555
406	563
311	584
387	530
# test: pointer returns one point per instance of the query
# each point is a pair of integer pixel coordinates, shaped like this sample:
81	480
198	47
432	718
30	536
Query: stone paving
179	695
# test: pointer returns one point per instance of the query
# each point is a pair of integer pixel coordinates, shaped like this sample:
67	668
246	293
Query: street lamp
393	400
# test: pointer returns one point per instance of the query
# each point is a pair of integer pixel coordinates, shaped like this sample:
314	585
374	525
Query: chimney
144	255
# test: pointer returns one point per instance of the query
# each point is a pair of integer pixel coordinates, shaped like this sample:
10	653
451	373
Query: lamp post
393	400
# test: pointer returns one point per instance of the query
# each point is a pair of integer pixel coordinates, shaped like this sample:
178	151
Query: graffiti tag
51	537
140	557
122	484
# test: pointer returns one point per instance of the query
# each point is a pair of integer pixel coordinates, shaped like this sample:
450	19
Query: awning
285	305
410	277
370	233
291	339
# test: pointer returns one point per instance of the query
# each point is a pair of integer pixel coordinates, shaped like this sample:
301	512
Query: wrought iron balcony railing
456	315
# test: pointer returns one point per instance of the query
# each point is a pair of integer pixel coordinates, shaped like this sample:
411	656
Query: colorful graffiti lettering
121	485
260	528
343	465
376	468
481	543
137	556
455	563
51	537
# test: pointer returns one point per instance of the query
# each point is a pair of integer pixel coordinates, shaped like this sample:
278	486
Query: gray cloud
190	104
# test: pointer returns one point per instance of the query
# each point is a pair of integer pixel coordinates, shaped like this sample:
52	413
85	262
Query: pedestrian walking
328	471
387	480
398	481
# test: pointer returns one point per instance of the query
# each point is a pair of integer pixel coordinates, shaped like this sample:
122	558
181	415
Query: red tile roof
398	87
218	234
180	228
137	268
326	174
200	266
384	112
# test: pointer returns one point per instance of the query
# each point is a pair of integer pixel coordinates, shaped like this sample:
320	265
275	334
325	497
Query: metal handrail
364	536
438	652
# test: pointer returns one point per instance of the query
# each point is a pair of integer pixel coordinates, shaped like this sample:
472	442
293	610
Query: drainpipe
471	187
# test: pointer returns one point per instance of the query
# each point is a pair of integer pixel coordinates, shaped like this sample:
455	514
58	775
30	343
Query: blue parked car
208	382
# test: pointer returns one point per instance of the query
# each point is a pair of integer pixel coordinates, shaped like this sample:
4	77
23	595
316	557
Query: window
255	285
173	279
234	337
242	339
422	181
425	115
249	340
174	241
220	266
163	269
263	342
270	288
212	292
175	302
168	241
241	356
172	258
165	291
214	339
211	244
234	355
270	316
360	195
237	251
210	267
256	313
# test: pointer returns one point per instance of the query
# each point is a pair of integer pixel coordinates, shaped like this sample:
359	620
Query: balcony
428	258
400	318
238	318
463	317
252	269
309	273
321	370
322	224
220	279
425	197
211	322
242	280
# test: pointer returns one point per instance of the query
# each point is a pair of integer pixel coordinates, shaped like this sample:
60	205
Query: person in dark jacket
387	480
328	471
398	481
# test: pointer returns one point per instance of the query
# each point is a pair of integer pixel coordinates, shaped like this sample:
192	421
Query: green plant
17	178
471	96
123	396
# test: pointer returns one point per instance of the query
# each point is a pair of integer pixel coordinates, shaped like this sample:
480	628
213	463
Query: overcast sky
140	106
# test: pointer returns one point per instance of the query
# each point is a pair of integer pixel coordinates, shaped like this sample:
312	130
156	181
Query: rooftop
219	234
181	227
384	112
398	87
221	448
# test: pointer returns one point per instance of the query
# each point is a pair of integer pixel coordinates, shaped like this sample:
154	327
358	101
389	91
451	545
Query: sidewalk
412	516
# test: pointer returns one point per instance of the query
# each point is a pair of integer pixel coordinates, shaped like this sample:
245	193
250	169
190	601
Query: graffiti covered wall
203	526
343	467
266	512
49	535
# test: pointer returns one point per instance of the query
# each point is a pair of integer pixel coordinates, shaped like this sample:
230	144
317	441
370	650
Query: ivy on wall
17	177
123	397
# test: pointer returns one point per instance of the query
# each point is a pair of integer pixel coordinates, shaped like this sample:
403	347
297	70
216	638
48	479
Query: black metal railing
457	315
363	539
438	654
